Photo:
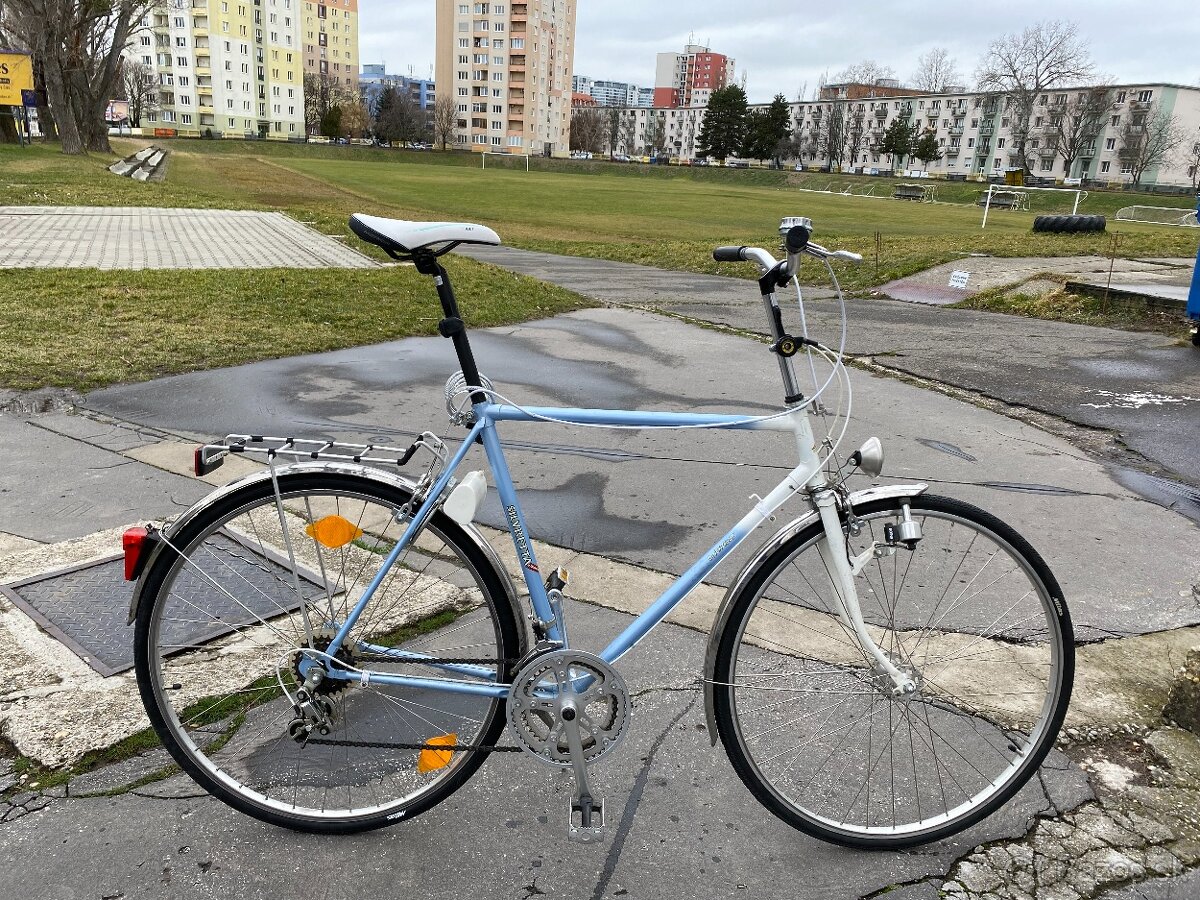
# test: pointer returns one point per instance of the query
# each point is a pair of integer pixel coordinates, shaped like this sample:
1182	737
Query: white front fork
841	578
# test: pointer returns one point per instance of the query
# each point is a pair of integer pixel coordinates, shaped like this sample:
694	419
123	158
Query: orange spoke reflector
334	531
432	760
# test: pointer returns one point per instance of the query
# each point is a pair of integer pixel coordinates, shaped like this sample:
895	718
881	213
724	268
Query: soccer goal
1158	215
1025	198
496	157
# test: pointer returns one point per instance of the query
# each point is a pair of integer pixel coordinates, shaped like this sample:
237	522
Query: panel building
612	93
688	79
508	68
331	41
1088	133
224	67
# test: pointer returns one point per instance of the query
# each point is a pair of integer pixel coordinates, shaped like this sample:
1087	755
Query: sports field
83	329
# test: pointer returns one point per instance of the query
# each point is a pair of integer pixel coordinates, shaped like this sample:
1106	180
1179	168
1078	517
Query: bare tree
856	134
1193	164
935	71
866	72
656	135
445	117
321	94
1022	66
589	129
355	119
831	136
1078	122
140	87
1148	139
77	46
627	132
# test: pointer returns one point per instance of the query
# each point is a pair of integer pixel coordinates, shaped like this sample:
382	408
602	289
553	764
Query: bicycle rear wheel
230	604
972	615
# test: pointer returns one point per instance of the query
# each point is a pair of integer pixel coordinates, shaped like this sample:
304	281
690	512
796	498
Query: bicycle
331	646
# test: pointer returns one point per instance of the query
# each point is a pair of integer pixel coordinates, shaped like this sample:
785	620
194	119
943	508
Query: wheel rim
813	718
219	693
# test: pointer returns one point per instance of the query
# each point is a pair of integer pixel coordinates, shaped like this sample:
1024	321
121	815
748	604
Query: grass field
666	217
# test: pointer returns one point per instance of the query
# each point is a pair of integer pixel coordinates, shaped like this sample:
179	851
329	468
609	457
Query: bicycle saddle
399	237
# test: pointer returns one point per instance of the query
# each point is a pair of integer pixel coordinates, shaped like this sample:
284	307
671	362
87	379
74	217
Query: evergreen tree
769	131
927	149
724	130
898	140
384	105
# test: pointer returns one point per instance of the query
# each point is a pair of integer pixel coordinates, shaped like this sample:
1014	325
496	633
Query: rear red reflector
136	543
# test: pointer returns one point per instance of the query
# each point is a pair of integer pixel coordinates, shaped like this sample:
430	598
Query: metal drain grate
86	607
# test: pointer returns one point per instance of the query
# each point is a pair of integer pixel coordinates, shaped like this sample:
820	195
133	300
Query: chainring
536	699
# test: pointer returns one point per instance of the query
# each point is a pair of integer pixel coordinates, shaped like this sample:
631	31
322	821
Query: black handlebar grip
730	254
797	238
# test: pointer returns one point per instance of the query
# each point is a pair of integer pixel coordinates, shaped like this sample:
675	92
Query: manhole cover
87	607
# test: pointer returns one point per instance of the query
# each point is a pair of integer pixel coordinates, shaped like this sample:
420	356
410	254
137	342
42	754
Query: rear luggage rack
212	456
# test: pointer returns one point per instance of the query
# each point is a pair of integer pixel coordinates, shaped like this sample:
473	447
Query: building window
1104	166
1110	144
1145	96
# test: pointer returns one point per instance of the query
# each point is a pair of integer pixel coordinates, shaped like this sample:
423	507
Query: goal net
1158	215
1038	200
490	160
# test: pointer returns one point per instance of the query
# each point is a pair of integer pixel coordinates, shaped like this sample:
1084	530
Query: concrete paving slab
658	499
151	238
682	826
931	286
54	487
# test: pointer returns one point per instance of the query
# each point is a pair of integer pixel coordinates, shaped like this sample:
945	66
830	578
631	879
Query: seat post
452	325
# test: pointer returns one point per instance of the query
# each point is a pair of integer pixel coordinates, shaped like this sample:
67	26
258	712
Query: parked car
619	157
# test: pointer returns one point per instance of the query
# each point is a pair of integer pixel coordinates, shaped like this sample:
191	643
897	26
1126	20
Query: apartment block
331	41
508	68
976	132
612	93
688	79
374	78
223	67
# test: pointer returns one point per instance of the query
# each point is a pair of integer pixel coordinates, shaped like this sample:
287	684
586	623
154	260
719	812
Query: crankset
568	708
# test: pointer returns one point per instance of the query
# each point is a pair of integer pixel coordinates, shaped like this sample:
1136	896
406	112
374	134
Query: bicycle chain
384	745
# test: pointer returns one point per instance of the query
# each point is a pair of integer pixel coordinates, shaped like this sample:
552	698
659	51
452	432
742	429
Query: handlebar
795	245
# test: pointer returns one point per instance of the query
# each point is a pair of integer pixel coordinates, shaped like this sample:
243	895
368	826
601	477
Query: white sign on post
959	279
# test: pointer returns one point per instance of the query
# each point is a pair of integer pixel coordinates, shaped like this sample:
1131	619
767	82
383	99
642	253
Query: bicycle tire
220	608
771	625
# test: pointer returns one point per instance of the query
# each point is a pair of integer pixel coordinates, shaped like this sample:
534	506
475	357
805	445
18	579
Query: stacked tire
1069	224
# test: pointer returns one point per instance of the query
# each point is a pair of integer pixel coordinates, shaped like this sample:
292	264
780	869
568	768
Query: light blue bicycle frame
808	474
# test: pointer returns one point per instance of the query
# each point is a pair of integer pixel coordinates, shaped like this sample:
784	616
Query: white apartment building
612	93
229	67
975	132
507	67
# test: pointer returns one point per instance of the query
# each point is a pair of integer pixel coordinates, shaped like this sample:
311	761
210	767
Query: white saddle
399	236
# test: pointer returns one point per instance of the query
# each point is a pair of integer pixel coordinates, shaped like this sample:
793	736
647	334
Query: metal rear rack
212	456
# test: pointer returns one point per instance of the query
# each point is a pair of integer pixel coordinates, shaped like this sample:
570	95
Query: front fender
777	540
342	468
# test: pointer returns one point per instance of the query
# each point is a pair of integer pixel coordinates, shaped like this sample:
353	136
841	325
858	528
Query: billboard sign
16	75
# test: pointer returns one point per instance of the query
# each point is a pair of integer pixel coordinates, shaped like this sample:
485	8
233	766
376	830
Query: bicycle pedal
585	822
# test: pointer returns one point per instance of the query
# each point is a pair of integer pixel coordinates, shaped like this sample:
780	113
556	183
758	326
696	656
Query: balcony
987	128
1047	152
988	109
520	11
1087	152
951	152
200	23
904	112
956	130
881	113
1140	105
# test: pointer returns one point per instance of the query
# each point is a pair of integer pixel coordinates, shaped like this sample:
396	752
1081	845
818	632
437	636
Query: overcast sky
780	51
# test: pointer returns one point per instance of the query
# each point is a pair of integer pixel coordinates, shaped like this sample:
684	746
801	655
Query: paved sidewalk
149	238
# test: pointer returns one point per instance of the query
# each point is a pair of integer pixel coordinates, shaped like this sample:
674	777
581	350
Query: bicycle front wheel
972	615
258	583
